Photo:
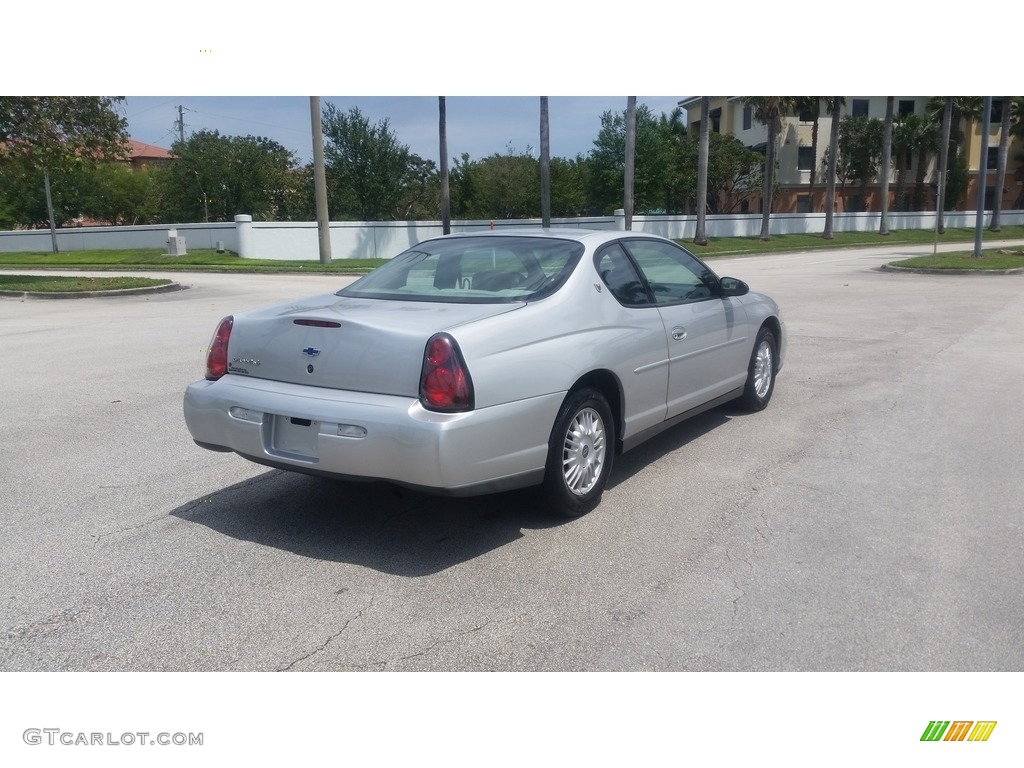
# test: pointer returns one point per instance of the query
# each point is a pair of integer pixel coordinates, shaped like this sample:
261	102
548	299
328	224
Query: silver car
477	363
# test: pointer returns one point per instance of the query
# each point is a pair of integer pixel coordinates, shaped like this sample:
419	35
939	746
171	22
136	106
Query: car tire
761	372
580	454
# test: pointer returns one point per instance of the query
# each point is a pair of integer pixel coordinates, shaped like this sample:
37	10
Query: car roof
591	236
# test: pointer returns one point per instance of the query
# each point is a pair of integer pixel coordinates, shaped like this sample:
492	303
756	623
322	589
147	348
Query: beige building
796	158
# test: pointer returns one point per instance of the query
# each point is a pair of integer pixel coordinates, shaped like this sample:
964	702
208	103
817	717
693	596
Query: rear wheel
580	453
761	372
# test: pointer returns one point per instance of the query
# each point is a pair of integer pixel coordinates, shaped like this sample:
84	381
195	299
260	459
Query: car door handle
678	333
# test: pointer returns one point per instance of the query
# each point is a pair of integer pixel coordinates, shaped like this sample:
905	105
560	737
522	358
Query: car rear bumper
368	436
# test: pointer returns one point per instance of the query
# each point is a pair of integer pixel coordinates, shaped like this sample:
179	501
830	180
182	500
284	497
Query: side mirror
731	286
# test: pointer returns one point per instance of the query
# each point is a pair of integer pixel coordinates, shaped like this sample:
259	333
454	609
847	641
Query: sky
251	72
477	125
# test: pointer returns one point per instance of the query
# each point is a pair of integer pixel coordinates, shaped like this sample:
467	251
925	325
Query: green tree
570	178
21	201
217	177
926	140
57	134
500	186
607	162
681	171
958	177
860	150
735	173
371	174
118	194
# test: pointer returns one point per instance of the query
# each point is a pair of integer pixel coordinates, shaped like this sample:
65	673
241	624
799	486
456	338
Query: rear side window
621	277
473	270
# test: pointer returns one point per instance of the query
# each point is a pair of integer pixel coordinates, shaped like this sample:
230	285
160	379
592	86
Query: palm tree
630	160
811	104
1004	156
545	165
442	133
833	157
701	236
920	135
953	109
940	194
883	225
903	149
768	110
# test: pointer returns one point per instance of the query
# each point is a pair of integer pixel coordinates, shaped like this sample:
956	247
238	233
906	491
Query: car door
705	332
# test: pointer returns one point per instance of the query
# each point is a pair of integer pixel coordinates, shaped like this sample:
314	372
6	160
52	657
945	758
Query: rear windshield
473	270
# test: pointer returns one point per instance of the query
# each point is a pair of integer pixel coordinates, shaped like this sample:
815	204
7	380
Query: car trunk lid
365	345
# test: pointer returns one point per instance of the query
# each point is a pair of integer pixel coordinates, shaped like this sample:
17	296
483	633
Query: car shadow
376	525
636	460
392	529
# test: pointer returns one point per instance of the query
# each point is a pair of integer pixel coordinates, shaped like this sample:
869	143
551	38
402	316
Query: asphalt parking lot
869	519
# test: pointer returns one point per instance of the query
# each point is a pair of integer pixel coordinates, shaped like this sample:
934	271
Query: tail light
444	382
217	355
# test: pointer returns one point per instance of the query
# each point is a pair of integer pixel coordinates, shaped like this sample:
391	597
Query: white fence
369	240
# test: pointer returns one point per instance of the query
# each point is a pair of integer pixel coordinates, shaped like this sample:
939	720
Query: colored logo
311	351
958	730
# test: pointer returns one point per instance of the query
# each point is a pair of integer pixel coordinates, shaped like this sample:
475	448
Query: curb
925	271
93	294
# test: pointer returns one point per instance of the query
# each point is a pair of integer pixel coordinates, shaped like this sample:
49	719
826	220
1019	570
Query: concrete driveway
869	519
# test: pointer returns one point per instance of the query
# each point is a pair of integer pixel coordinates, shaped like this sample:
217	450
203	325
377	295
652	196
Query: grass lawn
157	259
737	246
54	284
996	258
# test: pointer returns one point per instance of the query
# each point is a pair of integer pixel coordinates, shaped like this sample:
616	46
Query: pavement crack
330	639
97	536
436	643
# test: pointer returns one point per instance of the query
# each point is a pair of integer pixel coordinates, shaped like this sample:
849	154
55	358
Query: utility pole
323	222
181	124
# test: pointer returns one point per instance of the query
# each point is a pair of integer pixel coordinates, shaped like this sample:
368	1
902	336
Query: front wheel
761	372
580	453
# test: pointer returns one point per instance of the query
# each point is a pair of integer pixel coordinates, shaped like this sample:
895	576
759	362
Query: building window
990	198
716	120
906	107
806	116
805	160
905	161
860	108
993	157
854	204
996	115
744	206
803	203
748	117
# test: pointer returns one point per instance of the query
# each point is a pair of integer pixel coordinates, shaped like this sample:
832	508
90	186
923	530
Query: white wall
369	240
115	238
